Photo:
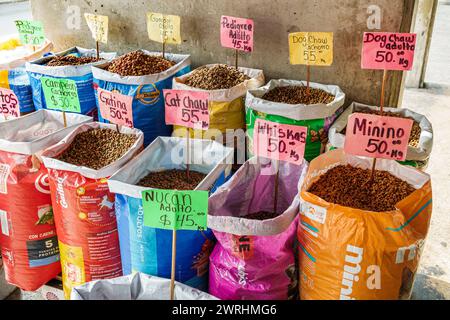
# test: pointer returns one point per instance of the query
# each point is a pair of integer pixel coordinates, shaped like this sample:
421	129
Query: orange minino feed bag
352	254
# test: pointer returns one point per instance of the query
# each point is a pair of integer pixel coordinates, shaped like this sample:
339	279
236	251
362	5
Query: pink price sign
388	51
279	141
236	33
115	107
187	108
9	104
378	136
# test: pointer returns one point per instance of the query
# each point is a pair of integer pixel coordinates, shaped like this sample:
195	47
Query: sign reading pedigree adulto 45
388	51
236	33
61	94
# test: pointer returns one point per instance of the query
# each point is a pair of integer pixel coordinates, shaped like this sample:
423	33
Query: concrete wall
274	19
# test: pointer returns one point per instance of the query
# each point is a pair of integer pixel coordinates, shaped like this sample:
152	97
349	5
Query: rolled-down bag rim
182	61
422	153
46	47
124	181
10	128
37	66
136	286
297	112
52	163
411	175
241	226
225	95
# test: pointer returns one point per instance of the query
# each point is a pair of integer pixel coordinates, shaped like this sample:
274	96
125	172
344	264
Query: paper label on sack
115	107
99	26
163	28
311	48
187	108
279	141
378	136
388	51
30	32
236	33
61	94
9	104
175	210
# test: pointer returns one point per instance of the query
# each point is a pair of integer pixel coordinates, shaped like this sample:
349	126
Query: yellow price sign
163	28
99	26
311	48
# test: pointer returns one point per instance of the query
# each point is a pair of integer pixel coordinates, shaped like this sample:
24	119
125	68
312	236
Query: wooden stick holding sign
279	142
169	215
311	49
237	34
164	29
99	28
188	109
387	51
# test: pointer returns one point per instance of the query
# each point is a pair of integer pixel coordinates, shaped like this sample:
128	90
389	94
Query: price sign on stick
99	26
61	94
388	51
163	28
311	48
9	104
187	108
116	107
378	136
30	32
175	210
236	33
279	141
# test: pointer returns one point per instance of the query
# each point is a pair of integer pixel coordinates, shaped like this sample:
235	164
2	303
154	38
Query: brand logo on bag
148	94
242	246
351	270
41	184
60	190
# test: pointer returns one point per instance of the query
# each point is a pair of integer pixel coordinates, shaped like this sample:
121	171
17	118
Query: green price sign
30	32
61	94
175	210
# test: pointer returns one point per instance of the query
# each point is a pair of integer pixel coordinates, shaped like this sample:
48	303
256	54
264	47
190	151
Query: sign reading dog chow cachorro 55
61	94
115	107
175	210
311	48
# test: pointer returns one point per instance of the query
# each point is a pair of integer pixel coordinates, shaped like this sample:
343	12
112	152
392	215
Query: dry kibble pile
262	215
215	78
351	187
137	63
172	179
97	148
58	61
298	95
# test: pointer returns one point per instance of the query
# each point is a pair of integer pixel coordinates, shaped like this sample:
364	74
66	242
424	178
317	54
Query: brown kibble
352	187
261	216
172	180
298	95
137	63
217	77
58	61
97	148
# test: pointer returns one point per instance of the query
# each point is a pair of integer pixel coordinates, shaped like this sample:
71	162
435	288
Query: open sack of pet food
361	237
143	75
254	257
288	102
74	64
420	140
83	206
227	87
138	286
28	241
13	76
162	165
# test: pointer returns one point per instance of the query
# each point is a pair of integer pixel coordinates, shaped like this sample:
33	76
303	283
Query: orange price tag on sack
378	136
187	108
9	103
115	107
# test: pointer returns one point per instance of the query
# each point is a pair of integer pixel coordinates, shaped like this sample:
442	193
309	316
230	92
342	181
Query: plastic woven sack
255	260
84	212
317	118
145	249
147	93
28	236
82	75
351	254
136	287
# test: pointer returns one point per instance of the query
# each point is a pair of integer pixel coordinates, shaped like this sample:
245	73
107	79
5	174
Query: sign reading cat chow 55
236	33
311	48
187	108
378	136
388	51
